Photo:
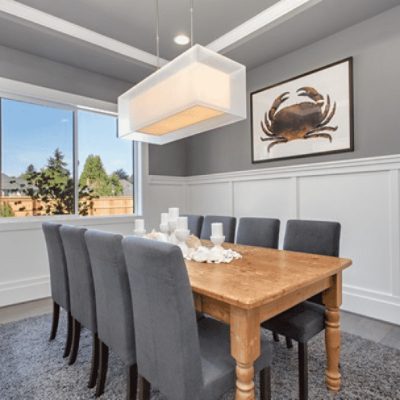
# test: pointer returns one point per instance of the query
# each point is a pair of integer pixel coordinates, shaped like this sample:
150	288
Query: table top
261	275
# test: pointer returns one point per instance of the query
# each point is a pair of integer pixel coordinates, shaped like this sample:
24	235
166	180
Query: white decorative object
182	223
214	255
173	213
181	236
197	91
164	218
217	229
139	230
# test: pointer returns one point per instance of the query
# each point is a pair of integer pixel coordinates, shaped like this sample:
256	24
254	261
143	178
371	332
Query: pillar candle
173	213
139	224
182	223
216	229
164	218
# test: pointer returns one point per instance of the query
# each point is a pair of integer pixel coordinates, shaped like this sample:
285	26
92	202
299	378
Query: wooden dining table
260	285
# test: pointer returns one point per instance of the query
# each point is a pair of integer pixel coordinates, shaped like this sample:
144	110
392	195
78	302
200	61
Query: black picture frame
350	148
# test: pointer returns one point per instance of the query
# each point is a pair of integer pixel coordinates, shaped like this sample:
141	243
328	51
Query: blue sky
31	133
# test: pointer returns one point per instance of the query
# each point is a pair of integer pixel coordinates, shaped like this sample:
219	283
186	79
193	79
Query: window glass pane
36	160
105	166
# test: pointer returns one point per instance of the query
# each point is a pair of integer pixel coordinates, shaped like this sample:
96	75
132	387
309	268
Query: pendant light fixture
197	91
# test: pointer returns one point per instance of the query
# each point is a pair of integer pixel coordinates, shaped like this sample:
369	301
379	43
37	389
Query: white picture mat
333	81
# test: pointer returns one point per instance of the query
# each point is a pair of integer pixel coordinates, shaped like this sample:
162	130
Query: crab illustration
306	120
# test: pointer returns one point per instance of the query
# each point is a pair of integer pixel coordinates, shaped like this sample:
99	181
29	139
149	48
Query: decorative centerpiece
174	229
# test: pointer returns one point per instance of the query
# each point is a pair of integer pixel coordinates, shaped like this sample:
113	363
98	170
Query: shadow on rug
31	368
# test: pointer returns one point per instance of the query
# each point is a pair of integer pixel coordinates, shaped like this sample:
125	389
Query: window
105	165
44	148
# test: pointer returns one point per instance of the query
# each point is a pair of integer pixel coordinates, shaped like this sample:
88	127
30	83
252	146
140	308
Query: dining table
263	283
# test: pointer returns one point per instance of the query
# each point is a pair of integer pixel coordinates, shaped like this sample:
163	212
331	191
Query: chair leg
103	366
132	382
144	393
289	343
265	384
68	342
76	335
276	336
95	362
54	324
303	371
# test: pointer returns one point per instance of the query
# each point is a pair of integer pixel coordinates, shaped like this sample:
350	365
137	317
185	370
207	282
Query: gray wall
24	67
374	44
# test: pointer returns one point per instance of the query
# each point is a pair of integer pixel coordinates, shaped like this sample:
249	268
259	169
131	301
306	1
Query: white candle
173	213
164	218
139	224
182	223
216	229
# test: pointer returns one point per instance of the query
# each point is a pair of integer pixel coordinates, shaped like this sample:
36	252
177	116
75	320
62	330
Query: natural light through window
38	166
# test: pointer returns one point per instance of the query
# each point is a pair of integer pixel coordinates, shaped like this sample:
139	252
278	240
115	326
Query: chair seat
217	363
300	323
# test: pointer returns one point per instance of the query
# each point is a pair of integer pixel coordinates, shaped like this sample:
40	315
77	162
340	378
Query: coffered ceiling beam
48	21
262	22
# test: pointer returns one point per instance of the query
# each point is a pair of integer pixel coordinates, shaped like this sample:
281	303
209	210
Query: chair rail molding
362	194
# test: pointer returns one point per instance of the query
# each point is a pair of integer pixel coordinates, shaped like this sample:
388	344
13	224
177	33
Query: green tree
94	176
30	169
122	174
52	188
6	210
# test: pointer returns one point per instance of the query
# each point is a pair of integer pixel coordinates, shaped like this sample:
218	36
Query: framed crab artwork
310	114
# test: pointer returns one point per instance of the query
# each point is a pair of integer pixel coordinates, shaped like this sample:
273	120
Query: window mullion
76	163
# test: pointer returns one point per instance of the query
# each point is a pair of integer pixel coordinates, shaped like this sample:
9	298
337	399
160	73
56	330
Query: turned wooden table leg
245	349
332	300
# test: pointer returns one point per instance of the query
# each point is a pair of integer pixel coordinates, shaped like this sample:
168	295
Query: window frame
136	158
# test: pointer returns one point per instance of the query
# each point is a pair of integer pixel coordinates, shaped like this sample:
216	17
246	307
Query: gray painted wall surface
374	44
40	71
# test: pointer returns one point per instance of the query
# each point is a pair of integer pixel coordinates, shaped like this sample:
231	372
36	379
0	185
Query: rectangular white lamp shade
198	91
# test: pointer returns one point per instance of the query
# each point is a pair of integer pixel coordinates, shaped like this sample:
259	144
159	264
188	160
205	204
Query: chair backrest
195	222
113	296
315	237
58	265
263	232
81	286
229	225
168	350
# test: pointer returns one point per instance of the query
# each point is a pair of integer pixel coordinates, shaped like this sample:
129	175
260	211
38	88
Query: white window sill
34	223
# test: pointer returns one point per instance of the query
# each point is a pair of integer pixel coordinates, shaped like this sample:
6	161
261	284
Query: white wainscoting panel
362	194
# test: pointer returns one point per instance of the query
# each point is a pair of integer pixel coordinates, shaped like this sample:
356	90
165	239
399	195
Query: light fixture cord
191	23
158	33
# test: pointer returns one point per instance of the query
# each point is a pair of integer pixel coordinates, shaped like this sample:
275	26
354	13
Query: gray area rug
31	368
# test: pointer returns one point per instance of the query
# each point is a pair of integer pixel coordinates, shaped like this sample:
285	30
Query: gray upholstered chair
195	222
113	305
58	280
262	232
81	289
184	360
304	321
229	226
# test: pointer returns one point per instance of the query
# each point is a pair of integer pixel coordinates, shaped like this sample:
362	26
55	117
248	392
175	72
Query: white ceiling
133	22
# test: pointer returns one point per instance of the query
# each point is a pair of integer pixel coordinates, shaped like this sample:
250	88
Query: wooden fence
23	206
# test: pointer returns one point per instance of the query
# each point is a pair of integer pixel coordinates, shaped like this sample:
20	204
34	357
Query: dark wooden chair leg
95	362
144	393
289	343
68	342
132	382
103	366
76	335
303	371
276	336
54	324
265	384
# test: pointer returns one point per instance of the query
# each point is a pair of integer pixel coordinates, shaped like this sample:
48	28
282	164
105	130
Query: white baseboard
24	290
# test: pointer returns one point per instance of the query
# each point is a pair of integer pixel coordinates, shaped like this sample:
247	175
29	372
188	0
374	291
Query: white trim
48	21
14	292
265	20
17	90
